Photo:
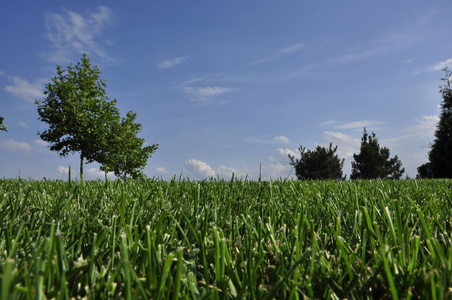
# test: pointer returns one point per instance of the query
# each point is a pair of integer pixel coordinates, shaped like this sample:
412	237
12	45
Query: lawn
219	239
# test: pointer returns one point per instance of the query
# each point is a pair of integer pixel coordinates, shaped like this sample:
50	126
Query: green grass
226	239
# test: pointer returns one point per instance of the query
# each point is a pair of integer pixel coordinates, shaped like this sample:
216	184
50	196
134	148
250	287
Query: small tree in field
440	155
2	126
83	120
126	155
321	163
424	171
373	162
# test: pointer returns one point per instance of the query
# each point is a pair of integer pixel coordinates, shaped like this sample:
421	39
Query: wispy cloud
275	140
393	41
425	126
441	65
357	125
169	63
205	93
291	49
281	53
71	33
14	146
282	139
23	89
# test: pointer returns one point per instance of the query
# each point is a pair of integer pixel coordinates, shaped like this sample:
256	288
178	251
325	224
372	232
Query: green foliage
83	120
373	162
440	155
424	171
2	126
321	163
226	239
126	154
78	112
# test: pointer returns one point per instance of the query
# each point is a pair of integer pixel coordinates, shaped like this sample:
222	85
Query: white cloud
94	173
88	173
199	168
14	146
64	170
24	89
282	139
441	65
346	145
205	93
71	33
276	171
426	126
22	124
41	143
286	152
171	62
358	125
225	172
161	170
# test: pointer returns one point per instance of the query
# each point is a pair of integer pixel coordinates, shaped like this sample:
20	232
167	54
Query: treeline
82	119
372	162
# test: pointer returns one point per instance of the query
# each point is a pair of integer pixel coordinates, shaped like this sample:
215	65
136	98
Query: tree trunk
81	167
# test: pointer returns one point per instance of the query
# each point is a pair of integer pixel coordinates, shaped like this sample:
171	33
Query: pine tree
440	155
321	163
373	162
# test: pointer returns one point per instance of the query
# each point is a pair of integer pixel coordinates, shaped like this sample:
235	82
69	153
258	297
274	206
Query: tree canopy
321	163
83	120
440	155
373	161
126	154
2	126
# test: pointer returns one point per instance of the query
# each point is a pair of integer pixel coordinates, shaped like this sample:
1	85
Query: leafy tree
373	162
2	126
440	155
81	117
424	171
126	155
321	163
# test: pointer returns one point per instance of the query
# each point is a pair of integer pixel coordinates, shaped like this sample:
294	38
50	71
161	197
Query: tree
126	155
424	171
81	117
2	126
322	163
373	162
440	155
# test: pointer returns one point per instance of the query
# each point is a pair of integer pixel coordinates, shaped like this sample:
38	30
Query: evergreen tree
424	171
322	163
440	155
373	162
2	126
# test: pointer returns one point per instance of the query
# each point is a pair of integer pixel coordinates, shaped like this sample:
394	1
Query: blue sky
231	86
